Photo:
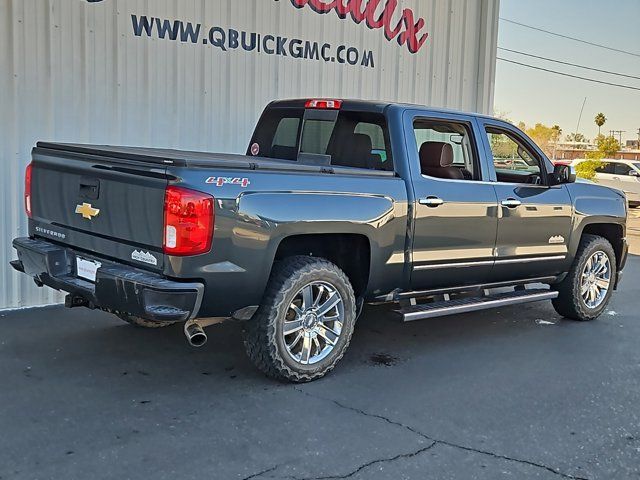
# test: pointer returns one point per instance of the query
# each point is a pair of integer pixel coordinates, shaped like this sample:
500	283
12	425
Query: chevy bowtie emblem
87	211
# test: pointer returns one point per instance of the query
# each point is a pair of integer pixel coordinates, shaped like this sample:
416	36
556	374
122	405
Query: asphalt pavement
514	393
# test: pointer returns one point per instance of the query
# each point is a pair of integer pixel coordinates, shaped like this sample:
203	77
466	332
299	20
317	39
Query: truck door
534	216
455	212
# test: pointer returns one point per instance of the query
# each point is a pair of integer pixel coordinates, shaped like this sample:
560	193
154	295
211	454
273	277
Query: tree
609	146
587	168
578	138
545	137
600	121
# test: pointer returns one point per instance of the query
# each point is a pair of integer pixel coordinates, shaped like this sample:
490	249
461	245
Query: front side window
513	162
622	169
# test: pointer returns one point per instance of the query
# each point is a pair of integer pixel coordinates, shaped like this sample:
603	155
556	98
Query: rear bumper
118	287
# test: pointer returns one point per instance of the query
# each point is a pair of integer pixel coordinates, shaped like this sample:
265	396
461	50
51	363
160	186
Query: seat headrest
362	143
436	154
359	152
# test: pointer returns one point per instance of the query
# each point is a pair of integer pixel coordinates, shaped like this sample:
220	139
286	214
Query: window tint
606	168
277	134
513	162
434	137
622	169
376	134
351	139
287	132
316	135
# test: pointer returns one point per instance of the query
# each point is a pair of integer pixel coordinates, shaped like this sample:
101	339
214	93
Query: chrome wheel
313	323
595	280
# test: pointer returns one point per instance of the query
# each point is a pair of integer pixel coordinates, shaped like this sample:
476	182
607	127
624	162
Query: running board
472	304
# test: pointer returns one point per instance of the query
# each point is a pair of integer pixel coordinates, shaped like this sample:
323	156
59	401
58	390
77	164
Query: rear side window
351	139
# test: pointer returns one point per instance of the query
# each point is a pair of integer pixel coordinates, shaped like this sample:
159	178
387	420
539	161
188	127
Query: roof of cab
371	106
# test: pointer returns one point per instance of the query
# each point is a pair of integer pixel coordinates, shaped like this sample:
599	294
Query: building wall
575	154
75	71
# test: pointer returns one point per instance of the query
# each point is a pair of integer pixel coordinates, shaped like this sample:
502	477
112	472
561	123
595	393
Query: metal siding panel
73	71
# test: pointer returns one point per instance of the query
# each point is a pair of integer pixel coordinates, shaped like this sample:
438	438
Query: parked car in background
562	161
621	174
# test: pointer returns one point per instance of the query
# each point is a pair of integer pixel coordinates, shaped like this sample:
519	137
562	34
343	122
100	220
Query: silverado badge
87	211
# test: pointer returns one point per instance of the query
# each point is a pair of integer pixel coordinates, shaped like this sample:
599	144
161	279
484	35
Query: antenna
580	116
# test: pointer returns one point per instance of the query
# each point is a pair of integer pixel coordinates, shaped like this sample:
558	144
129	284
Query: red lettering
359	13
410	35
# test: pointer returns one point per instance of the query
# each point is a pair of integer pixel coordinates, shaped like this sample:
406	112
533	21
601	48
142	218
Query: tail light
188	222
27	190
323	104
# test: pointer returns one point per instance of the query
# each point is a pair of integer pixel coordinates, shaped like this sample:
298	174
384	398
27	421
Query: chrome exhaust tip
195	334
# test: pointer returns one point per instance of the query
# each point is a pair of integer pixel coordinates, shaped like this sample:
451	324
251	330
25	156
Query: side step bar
472	304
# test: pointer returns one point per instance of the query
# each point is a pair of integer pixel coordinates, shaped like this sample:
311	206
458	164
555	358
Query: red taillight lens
324	104
27	190
188	222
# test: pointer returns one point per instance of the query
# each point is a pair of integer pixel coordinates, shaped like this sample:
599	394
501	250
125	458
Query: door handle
431	202
511	203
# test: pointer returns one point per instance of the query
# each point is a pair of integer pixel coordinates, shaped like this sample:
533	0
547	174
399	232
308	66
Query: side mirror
634	173
564	174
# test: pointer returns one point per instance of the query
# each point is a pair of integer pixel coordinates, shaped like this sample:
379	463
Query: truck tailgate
113	207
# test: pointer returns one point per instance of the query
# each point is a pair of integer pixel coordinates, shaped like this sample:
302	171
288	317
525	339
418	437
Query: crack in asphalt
372	462
435	441
263	472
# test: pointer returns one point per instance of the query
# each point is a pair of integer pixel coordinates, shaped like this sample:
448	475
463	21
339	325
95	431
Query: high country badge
144	257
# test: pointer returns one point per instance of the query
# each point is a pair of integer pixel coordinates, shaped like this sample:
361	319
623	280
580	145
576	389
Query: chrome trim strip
529	260
455	265
483	263
473	307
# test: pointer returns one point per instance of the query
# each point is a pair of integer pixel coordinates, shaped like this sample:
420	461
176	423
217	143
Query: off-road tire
569	303
262	341
141	322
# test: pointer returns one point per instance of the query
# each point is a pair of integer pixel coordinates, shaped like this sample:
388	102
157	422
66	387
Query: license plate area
87	269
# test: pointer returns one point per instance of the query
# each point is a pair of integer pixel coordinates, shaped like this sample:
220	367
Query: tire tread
569	303
260	331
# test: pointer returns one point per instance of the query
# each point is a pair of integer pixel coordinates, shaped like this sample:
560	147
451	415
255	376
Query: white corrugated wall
73	71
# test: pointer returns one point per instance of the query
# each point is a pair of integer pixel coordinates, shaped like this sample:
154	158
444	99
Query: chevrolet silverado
335	204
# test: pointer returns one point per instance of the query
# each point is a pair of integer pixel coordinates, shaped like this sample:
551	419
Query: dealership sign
406	30
395	22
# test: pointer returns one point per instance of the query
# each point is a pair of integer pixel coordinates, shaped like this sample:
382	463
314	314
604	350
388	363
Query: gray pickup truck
335	204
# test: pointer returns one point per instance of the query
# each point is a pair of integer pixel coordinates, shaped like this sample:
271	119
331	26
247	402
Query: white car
620	174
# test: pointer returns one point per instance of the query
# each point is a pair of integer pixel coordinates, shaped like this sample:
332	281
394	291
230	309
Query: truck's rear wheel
141	322
587	289
305	322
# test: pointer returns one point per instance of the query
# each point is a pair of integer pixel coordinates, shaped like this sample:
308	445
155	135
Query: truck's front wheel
305	323
587	289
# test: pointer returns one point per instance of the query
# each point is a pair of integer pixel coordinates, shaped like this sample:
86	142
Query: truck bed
182	158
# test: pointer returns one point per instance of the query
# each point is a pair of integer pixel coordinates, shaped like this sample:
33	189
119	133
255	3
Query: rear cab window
339	138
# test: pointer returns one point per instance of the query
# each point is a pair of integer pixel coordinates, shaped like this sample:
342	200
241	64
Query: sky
532	96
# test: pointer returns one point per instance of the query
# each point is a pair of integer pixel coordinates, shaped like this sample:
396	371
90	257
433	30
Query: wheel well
611	232
350	252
